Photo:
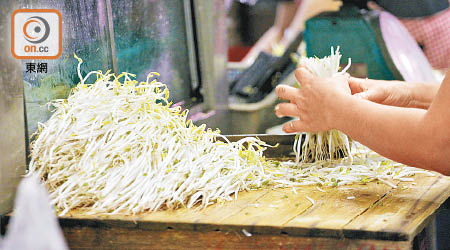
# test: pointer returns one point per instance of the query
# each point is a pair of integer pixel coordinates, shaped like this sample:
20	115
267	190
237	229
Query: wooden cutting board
374	216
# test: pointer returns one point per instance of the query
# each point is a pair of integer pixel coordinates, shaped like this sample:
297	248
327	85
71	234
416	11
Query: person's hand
307	9
314	103
311	8
393	93
374	6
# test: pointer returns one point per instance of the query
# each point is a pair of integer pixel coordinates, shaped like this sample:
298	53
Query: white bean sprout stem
328	145
118	147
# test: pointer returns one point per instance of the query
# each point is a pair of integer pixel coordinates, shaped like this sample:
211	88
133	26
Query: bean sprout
310	200
331	144
119	147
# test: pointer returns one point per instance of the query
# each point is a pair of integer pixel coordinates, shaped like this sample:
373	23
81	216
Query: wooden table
379	217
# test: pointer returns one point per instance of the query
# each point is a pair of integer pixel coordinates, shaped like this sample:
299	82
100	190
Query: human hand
315	103
393	93
311	8
307	9
374	6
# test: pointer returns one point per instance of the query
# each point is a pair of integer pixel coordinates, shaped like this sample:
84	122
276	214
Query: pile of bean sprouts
327	145
367	166
118	147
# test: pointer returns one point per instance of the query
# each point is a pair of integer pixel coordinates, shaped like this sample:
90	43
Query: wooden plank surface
405	210
376	212
336	208
203	218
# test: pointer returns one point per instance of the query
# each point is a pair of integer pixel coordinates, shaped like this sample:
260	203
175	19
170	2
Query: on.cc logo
36	34
36	29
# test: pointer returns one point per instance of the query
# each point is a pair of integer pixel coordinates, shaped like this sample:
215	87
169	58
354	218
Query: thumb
371	95
357	85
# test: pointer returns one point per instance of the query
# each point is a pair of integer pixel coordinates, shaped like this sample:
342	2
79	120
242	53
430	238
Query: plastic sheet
34	225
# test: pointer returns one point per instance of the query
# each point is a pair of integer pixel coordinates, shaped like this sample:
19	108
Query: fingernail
276	109
279	89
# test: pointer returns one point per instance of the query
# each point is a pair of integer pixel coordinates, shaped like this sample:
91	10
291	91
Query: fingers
286	92
294	126
357	85
287	109
374	95
303	75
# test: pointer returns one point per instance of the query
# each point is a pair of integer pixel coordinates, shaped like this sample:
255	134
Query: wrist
341	110
421	94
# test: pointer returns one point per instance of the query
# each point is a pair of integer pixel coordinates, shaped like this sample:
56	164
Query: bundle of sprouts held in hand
327	145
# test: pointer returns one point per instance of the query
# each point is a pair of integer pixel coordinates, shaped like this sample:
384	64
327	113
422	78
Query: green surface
353	34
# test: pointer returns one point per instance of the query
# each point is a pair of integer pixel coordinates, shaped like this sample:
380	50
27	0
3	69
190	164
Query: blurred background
222	59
